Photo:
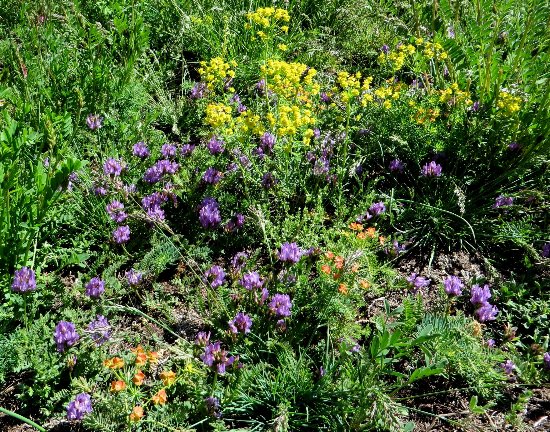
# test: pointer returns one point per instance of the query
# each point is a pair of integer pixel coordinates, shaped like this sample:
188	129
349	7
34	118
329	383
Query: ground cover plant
224	215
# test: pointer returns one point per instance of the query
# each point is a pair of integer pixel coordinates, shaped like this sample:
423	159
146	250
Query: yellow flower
168	377
218	114
282	47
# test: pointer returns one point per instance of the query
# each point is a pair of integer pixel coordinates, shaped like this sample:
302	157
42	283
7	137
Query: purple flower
80	406
215	275
236	222
546	250
213	407
475	107
263	297
431	169
24	280
112	167
133	277
73	178
514	146
396	165
209	213
398	248
239	260
290	252
215	145
240	324
95	287
280	305
418	281
251	281
115	211
480	295
168	150
502	201
198	91
100	330
65	335
216	357
141	150
268	180
486	312
121	234
187	149
490	343
546	360
202	339
377	208
94	121
166	166
100	191
450	32
151	204
267	142
508	367
281	325
260	86
453	285
325	97
212	176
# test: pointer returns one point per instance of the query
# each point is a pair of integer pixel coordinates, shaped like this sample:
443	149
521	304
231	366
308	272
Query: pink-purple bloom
490	343
141	150
546	360
290	253
65	335
209	213
418	281
546	250
202	339
168	150
94	121
431	169
396	165
133	277
486	312
453	285
215	145
100	330
503	201
236	222
240	324
267	141
187	149
80	406
112	167
213	406
95	287
121	234
212	176
480	295
216	358
280	305
508	366
377	209
268	180
251	281
115	210
215	275
24	280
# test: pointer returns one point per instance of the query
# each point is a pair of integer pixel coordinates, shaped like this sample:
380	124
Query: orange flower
138	378
356	226
137	414
355	268
329	255
141	359
153	356
326	269
118	386
339	262
365	284
337	276
362	235
371	232
138	350
114	363
168	377
343	289
382	240
160	398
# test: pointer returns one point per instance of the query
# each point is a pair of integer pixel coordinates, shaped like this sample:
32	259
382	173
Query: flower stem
23	419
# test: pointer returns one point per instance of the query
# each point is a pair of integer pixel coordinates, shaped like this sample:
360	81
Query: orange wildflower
326	269
371	232
337	276
153	356
137	414
168	377
138	350
343	289
362	235
329	255
382	240
118	386
141	359
355	268
356	226
138	378
114	363
160	398
365	284
339	262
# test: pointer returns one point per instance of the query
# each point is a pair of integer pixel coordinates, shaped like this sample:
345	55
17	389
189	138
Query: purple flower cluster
121	234
290	253
239	260
209	213
377	209
212	176
100	330
396	165
215	145
115	210
503	201
215	275
140	150
546	250
267	142
198	91
65	335
216	358
480	298
81	405
94	121
251	281
95	287
156	172
133	277
546	360
213	407
240	324
268	180
431	169
152	205
418	281
280	305
236	222
453	285
202	339
168	150
24	280
187	149
112	167
508	366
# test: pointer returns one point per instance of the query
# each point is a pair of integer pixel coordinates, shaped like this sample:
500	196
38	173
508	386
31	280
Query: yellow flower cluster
389	92
396	59
352	87
292	118
290	80
264	16
216	71
454	94
424	115
508	103
218	114
432	50
249	122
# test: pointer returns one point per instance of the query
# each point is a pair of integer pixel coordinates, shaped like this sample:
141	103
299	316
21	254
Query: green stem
23	419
